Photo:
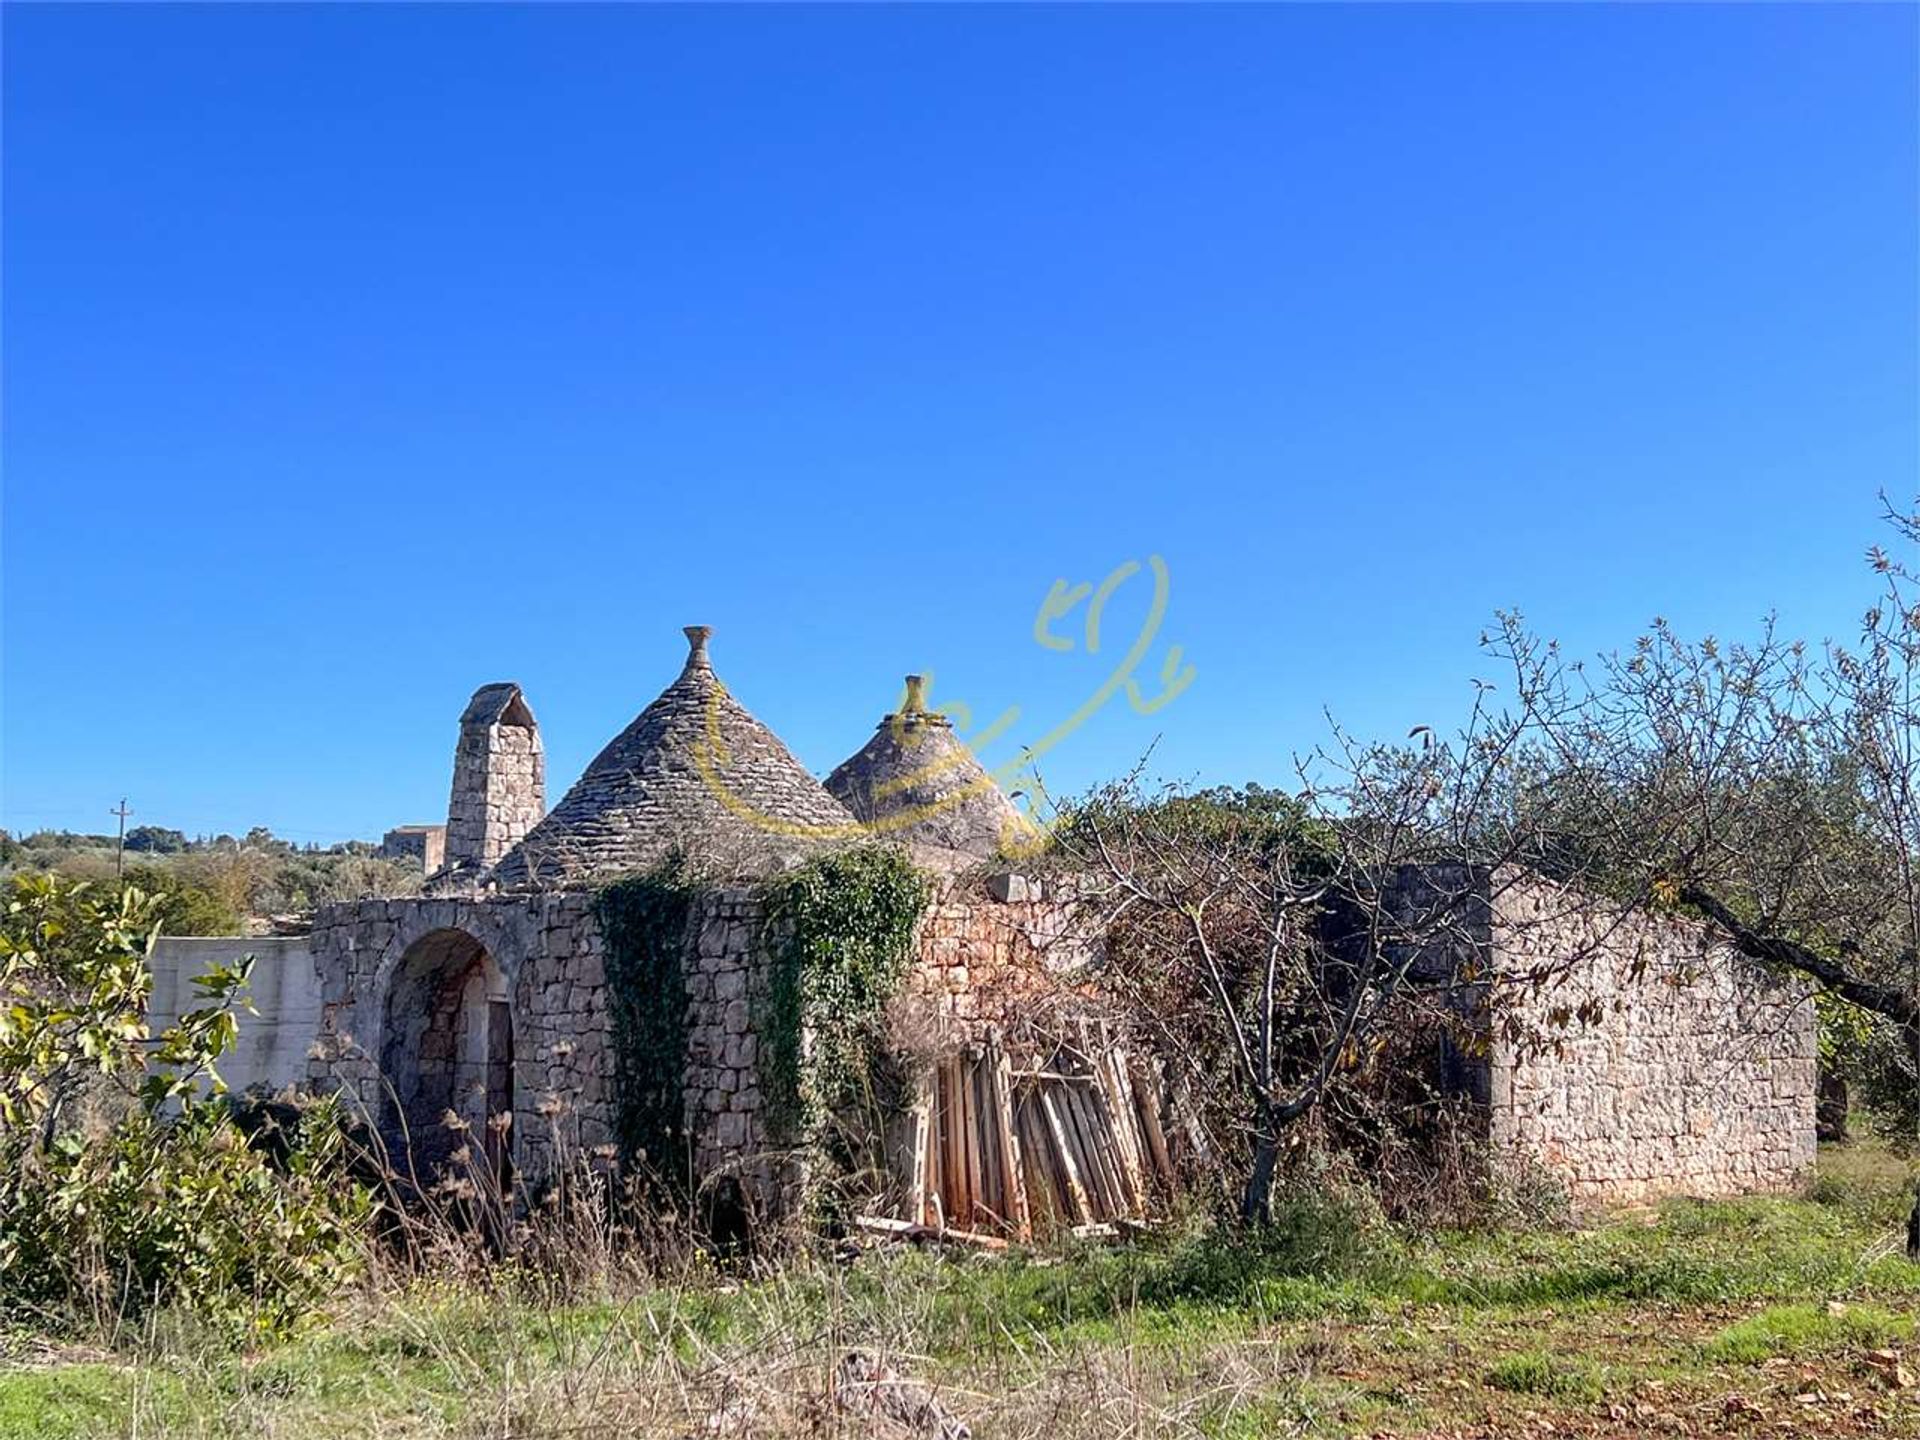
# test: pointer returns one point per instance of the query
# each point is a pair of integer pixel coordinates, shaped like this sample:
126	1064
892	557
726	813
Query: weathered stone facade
977	957
407	1028
499	779
1695	1075
425	843
1623	1052
386	965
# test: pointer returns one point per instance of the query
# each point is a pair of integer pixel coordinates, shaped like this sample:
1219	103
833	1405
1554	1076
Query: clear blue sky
356	356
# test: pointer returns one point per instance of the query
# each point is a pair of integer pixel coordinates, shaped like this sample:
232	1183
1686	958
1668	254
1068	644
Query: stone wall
728	974
392	974
499	778
1624	1052
425	843
553	970
1692	1072
980	953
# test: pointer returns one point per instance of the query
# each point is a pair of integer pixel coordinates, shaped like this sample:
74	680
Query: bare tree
1770	789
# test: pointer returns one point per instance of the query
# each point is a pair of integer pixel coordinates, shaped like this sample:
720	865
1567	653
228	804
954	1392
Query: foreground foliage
1781	1315
124	1183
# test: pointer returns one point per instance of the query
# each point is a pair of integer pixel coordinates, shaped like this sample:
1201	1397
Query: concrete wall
1691	1070
285	991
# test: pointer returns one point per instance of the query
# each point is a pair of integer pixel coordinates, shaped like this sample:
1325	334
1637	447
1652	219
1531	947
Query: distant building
425	843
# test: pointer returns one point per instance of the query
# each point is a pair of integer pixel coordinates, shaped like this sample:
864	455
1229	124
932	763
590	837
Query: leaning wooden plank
991	1204
1089	1154
943	1140
959	1202
1146	1099
1018	1215
1079	1210
966	1158
1126	1128
1099	1143
1097	1154
1043	1175
1118	1155
917	1156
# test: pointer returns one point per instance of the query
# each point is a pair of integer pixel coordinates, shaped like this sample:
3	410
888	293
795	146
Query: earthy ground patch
1756	1317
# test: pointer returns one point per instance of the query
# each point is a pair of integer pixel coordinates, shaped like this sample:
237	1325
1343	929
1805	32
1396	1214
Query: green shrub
177	1210
643	919
155	1197
840	934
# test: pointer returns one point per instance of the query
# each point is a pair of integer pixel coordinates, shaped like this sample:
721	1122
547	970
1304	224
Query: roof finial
916	703
697	646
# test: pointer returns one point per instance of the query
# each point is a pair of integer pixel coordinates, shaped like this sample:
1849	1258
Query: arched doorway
447	1058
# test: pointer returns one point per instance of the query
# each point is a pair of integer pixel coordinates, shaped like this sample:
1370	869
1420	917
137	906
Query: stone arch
447	1038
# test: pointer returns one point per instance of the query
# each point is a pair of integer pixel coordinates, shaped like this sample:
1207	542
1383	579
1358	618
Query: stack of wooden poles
1079	1139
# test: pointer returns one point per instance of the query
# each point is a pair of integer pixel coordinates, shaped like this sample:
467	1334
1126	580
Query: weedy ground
1761	1316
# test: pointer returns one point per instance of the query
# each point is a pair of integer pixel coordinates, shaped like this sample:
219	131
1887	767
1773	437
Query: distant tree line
212	885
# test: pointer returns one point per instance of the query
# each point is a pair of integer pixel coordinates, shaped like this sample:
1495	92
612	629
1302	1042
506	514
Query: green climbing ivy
643	920
839	937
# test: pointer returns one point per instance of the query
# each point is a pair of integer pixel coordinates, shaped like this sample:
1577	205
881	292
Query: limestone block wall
728	972
552	961
987	954
499	778
1694	1073
979	957
400	988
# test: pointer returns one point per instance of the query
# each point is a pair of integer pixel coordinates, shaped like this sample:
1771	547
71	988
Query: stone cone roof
693	771
917	782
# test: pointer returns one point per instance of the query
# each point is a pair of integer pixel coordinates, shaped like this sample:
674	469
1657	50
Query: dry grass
1757	1316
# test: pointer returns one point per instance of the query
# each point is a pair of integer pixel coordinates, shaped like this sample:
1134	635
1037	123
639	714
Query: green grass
1333	1326
1538	1372
1802	1330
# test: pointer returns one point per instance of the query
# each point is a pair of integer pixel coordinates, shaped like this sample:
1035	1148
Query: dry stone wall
978	956
553	964
499	779
1690	1070
1695	1072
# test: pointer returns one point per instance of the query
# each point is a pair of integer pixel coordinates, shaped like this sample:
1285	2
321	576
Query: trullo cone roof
917	782
693	771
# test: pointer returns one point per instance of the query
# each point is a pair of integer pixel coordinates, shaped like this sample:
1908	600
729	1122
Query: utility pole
120	849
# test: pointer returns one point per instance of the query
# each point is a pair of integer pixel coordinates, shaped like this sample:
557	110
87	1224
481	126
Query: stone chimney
499	778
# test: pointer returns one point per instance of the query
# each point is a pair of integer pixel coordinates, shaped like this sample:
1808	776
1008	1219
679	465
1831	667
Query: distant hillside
220	884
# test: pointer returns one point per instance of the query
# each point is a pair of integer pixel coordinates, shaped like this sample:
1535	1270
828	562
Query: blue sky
357	356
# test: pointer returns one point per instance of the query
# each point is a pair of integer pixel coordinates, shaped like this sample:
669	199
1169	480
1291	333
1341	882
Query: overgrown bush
643	919
177	1210
840	932
124	1183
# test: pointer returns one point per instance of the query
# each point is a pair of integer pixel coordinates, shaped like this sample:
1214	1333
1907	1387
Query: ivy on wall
643	920
838	934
